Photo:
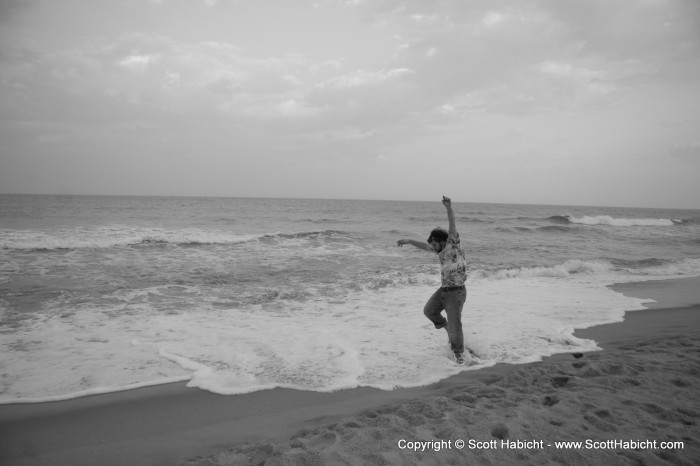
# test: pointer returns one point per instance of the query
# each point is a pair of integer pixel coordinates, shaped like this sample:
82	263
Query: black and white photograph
349	232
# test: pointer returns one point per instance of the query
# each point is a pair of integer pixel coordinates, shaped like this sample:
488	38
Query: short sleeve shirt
453	262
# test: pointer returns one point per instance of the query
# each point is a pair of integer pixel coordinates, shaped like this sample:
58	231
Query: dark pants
451	302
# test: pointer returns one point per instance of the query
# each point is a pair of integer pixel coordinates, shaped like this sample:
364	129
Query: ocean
234	295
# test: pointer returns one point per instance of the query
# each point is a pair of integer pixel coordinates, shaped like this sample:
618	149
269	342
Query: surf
126	236
621	222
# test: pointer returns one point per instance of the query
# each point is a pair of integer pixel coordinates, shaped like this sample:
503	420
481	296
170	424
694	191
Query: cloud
171	79
492	18
555	69
582	81
370	96
296	109
362	78
339	83
137	61
341	133
479	45
173	76
523	57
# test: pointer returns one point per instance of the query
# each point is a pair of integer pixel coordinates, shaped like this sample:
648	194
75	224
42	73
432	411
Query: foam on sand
380	339
635	405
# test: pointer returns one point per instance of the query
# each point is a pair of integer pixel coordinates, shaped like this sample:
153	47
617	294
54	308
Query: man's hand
447	202
401	242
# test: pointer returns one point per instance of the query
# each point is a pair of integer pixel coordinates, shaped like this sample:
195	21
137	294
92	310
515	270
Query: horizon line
337	199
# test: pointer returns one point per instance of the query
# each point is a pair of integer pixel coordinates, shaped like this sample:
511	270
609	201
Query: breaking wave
636	268
101	238
612	221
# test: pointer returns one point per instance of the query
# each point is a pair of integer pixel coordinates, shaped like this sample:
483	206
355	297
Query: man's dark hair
438	234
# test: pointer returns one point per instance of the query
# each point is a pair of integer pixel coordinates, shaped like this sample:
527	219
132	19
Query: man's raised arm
447	202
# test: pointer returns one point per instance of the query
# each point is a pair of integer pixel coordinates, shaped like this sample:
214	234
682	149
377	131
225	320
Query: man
453	270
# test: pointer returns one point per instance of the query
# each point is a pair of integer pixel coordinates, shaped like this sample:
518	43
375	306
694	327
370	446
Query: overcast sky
586	102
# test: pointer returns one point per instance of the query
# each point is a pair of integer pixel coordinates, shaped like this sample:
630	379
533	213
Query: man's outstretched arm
419	244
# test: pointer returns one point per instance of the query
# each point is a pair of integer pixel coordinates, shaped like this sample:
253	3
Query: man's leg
453	302
433	310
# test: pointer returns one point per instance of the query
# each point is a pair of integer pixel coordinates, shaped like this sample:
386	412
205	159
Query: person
452	293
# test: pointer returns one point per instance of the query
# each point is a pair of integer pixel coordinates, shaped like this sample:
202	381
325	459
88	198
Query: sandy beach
634	402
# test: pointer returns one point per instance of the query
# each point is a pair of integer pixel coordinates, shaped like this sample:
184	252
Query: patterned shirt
453	263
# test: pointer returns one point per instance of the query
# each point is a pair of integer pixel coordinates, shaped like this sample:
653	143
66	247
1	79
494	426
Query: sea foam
378	339
621	222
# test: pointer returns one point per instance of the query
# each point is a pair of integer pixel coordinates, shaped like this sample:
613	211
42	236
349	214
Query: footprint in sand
560	381
321	441
500	431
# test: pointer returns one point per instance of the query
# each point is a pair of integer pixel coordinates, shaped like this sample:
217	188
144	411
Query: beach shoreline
172	424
